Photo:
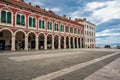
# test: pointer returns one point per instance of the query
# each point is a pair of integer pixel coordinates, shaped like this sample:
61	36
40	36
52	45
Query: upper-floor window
62	28
71	30
49	25
56	27
41	24
6	16
20	19
75	30
78	31
32	21
67	29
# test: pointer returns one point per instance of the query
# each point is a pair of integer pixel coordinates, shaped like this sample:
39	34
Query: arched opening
79	42
41	41
19	40
62	42
75	42
31	41
82	44
67	42
56	42
71	42
49	41
5	40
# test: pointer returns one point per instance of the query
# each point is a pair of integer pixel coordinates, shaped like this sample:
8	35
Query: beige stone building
89	33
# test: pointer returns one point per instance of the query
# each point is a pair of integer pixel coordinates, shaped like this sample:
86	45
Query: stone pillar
69	43
13	43
53	43
65	43
73	42
80	43
77	43
26	42
36	43
45	43
59	43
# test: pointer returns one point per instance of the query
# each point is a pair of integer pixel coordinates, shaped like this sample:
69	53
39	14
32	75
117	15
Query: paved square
32	65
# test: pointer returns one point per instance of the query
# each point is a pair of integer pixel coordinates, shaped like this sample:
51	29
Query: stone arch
5	39
67	42
56	41
71	42
20	40
49	41
41	39
62	42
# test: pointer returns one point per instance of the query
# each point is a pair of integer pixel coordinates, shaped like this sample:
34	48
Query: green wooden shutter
43	24
40	24
50	25
23	20
18	19
9	17
3	16
34	21
30	21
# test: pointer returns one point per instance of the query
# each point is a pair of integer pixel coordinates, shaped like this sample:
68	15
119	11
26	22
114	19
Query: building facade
89	33
26	27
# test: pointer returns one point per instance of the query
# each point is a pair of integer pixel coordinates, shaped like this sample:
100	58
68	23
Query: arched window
32	21
3	16
62	28
56	27
6	16
20	19
41	24
49	25
67	29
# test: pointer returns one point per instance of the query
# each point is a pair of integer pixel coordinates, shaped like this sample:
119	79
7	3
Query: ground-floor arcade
13	39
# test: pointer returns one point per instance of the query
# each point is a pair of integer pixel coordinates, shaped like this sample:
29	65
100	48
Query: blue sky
104	13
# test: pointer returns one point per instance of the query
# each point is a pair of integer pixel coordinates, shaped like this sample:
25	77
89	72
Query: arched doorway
62	42
67	42
5	40
79	42
56	42
49	41
71	42
75	42
19	40
41	41
31	41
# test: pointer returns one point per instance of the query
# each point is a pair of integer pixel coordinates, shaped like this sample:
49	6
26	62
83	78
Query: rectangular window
67	29
78	31
9	17
62	28
71	30
75	31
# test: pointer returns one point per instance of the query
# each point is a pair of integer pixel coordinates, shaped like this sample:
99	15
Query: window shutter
34	22
43	24
50	25
3	16
9	17
23	20
40	23
18	19
30	21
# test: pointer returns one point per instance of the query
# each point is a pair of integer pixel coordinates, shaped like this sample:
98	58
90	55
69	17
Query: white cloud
103	11
54	9
108	32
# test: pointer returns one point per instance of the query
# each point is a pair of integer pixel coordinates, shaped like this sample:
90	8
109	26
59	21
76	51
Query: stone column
69	43
65	43
26	42
45	43
80	43
77	43
73	42
59	46
13	43
53	43
36	43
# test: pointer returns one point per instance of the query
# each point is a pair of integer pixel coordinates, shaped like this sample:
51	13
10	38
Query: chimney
84	19
69	18
29	3
75	19
64	16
